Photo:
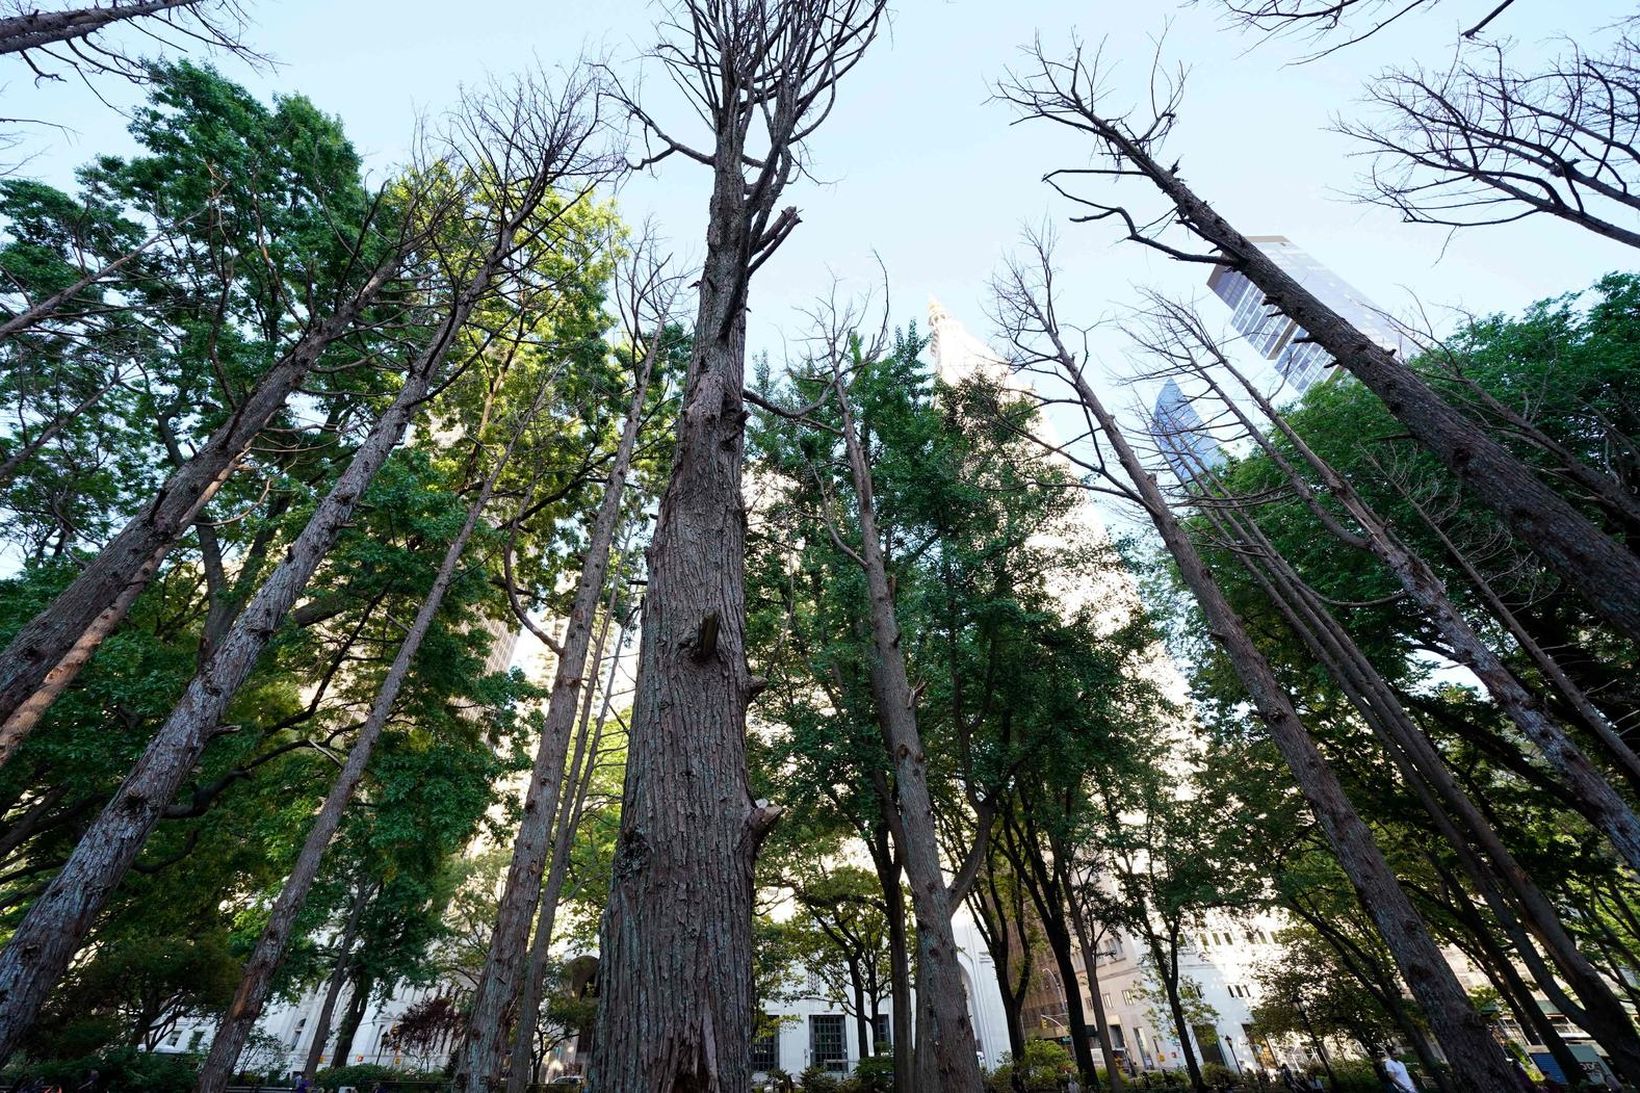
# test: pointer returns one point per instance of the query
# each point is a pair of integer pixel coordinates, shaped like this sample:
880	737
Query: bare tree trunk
579	777
1590	561
506	963
353	1017
1090	966
57	923
269	953
35	29
899	948
1609	811
1593	717
675	999
49	307
946	1057
333	989
1478	1062
1427	774
49	651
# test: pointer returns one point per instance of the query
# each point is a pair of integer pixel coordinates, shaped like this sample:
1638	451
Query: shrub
125	1069
819	1080
1042	1068
872	1075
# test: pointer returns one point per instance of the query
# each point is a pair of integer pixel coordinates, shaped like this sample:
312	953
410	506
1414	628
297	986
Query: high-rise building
1277	338
1181	435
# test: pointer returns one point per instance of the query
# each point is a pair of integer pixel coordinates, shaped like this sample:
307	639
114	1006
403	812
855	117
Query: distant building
1283	342
1181	435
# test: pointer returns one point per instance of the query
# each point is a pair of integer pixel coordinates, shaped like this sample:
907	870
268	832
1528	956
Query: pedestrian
303	1085
1396	1071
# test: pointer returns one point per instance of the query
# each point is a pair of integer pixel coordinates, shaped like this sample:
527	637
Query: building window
1116	1038
882	1039
174	1039
766	1048
828	1047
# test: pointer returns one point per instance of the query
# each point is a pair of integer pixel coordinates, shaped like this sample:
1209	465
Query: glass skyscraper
1277	338
1181	435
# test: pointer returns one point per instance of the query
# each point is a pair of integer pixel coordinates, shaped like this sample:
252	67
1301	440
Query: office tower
1181	435
1277	338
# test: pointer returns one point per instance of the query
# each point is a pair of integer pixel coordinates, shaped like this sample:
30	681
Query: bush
1217	1076
365	1076
872	1075
124	1069
1042	1068
819	1080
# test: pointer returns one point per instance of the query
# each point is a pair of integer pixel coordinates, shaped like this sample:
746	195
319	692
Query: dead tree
1485	858
675	982
1026	308
505	964
1356	20
1069	93
1179	338
45	655
517	139
1480	143
589	742
72	37
269	953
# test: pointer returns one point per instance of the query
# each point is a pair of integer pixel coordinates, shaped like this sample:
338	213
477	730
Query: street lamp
1326	1064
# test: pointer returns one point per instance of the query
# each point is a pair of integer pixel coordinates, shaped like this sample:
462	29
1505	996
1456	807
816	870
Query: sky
917	167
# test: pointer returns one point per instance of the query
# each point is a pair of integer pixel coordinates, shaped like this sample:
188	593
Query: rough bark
1601	569
252	993
1609	812
45	655
1455	816
944	1058
581	767
899	950
1478	1062
506	963
35	29
675	1000
57	923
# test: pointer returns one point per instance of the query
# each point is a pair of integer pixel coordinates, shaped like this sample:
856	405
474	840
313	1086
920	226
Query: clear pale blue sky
918	166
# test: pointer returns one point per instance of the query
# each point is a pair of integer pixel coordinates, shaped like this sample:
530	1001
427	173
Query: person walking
1396	1072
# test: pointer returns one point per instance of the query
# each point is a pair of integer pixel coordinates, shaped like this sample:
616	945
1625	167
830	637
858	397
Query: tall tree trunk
333	989
506	963
36	29
899	947
1479	1063
1033	869
948	1059
358	1004
1090	965
269	953
582	765
57	923
48	652
1610	812
1589	560
1428	776
1575	695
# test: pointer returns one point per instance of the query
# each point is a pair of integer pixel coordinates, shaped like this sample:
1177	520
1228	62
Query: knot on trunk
704	644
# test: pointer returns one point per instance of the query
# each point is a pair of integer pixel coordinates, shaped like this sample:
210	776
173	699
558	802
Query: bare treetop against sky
918	166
